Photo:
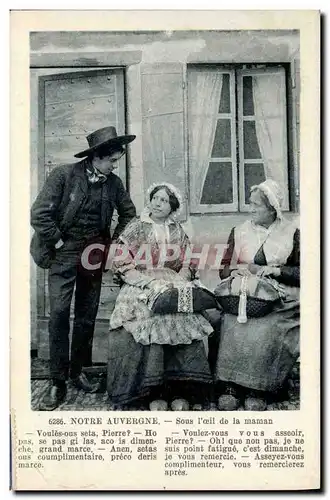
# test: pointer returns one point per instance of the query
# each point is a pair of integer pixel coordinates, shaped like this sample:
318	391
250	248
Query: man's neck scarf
94	175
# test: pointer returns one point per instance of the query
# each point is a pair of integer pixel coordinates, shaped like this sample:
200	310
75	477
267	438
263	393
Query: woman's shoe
158	405
118	407
179	405
255	402
229	401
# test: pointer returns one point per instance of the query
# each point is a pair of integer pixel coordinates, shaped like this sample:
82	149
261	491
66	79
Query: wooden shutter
163	126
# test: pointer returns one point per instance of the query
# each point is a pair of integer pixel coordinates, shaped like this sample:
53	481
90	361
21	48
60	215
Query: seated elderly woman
157	357
256	354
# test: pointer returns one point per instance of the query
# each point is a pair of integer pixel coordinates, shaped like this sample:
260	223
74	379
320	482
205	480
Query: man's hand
59	244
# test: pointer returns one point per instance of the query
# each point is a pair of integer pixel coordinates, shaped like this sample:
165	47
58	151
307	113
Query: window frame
240	74
210	208
236	71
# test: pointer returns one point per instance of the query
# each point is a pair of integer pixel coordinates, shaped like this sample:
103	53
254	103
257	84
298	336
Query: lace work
242	317
185	299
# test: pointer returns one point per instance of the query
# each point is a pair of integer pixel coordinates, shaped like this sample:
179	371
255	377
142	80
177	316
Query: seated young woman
156	359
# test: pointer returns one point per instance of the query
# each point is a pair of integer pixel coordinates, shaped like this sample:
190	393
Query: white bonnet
173	190
273	193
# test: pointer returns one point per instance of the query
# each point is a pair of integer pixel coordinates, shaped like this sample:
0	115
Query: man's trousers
65	274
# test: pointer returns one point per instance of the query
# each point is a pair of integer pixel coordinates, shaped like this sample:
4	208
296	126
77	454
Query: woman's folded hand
254	268
268	271
243	271
198	284
161	285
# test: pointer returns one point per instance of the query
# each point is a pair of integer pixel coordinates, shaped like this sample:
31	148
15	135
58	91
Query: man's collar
93	175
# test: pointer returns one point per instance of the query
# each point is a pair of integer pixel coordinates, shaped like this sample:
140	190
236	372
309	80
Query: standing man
73	210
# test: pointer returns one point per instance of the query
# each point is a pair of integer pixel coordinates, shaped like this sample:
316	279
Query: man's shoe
53	397
82	382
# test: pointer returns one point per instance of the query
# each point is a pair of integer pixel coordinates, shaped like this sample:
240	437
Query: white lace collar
263	229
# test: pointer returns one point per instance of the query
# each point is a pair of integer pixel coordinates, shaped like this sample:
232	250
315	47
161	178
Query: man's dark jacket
63	193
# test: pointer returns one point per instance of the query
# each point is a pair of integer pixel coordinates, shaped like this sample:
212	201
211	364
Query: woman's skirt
259	354
134	369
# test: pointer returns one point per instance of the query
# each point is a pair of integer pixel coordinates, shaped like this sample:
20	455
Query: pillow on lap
262	294
184	299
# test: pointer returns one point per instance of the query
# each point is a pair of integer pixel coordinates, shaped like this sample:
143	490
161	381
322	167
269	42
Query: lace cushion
184	299
262	295
255	308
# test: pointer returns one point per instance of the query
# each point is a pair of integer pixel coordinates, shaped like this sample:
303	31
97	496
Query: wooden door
72	105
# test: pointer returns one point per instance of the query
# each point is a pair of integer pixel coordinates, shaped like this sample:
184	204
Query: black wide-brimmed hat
105	137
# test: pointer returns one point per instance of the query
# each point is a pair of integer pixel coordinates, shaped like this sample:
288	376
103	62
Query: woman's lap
257	355
260	353
132	313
